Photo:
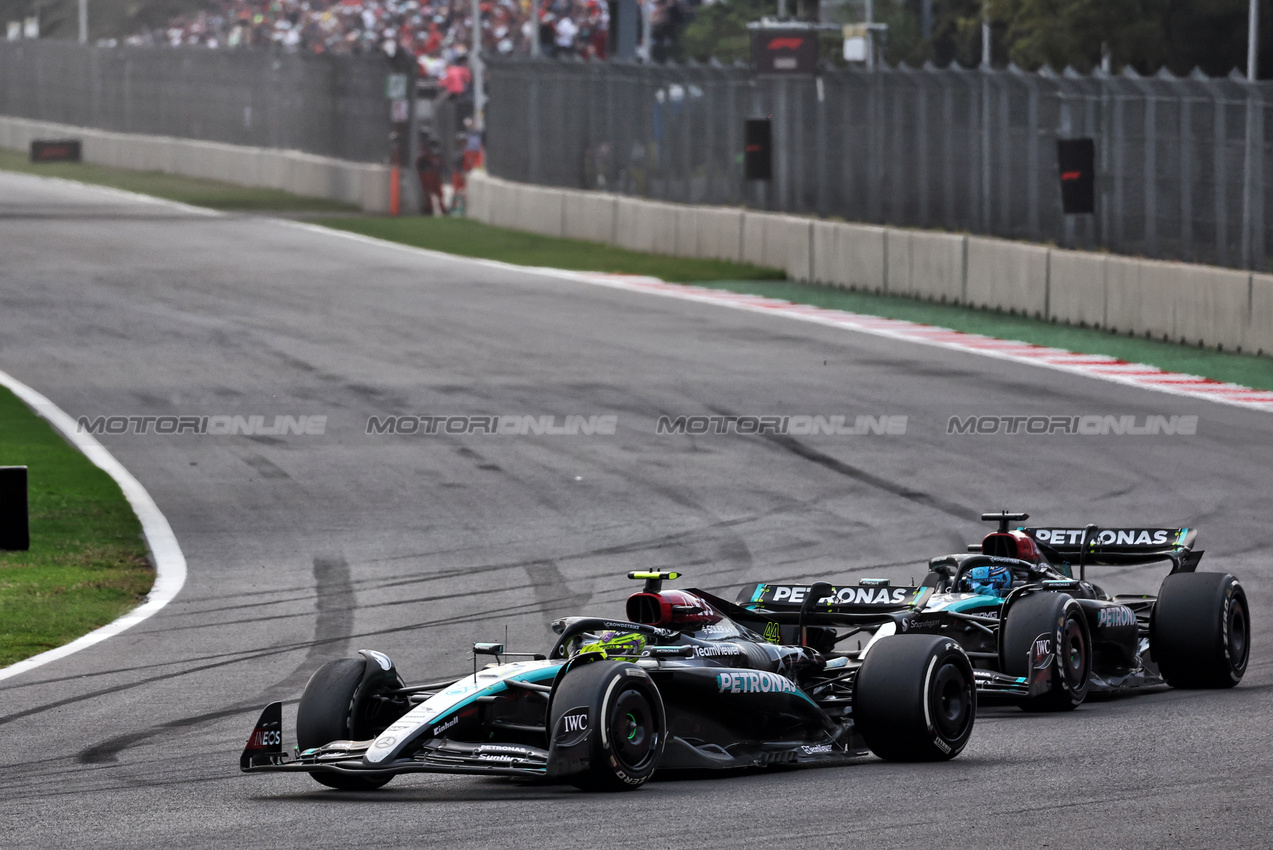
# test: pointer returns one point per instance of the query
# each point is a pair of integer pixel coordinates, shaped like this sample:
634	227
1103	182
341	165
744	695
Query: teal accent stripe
961	605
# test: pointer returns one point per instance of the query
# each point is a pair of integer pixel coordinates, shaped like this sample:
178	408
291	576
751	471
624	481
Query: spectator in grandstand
434	31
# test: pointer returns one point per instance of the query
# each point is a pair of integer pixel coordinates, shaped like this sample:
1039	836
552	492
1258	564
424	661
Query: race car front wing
264	753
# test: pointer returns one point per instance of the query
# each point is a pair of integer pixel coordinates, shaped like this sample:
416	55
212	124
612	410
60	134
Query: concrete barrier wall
363	184
1076	288
1181	302
645	226
1007	276
541	209
779	242
926	265
589	216
718	232
848	255
1258	336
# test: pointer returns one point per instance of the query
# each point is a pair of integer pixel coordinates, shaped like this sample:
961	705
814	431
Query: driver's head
993	580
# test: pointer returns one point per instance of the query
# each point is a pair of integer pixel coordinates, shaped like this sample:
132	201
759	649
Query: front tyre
914	699
1200	630
625	722
330	711
1059	617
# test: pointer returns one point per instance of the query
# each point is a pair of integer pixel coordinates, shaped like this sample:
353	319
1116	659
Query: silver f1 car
1042	635
688	680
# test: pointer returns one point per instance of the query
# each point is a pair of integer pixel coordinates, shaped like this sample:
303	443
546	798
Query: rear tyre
1200	630
1060	617
327	713
914	699
627	726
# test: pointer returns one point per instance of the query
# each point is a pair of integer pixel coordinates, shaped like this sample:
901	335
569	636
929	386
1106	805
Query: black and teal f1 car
688	680
1042	635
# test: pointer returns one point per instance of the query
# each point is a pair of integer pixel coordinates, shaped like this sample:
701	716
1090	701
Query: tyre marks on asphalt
839	467
333	628
334	605
265	467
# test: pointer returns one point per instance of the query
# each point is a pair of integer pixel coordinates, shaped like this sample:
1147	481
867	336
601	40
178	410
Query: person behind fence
429	167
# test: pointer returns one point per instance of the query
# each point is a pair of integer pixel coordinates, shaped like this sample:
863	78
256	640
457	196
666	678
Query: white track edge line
123	194
170	563
842	319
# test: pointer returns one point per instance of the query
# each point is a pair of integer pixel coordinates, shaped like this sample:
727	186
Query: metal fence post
1033	193
1186	177
1120	173
1257	181
922	179
1248	180
948	151
985	151
1220	172
875	155
822	167
1151	175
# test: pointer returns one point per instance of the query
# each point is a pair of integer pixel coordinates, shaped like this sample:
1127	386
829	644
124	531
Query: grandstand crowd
436	32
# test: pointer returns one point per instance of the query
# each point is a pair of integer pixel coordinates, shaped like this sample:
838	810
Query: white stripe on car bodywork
490	680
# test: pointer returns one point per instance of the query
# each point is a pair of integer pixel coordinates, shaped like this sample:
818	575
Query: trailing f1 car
1044	638
688	680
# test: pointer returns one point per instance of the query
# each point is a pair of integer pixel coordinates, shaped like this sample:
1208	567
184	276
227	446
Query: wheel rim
950	701
1237	636
1072	655
633	730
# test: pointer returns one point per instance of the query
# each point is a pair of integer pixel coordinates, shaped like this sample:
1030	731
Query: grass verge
188	190
87	564
470	238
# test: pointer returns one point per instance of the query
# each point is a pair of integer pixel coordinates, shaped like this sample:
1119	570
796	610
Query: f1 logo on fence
784	50
1077	161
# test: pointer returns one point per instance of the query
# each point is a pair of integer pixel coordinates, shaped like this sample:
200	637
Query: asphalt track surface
305	548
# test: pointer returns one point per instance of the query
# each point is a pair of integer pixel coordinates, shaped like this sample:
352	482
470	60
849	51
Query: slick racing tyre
1060	617
1200	630
914	699
332	709
625	722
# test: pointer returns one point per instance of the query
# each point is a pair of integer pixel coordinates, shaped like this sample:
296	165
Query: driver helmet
616	643
993	580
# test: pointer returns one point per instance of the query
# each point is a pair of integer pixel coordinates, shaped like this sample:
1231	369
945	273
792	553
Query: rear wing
868	600
1120	546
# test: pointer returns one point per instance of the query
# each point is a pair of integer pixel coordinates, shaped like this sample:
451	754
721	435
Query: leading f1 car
1041	635
688	680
